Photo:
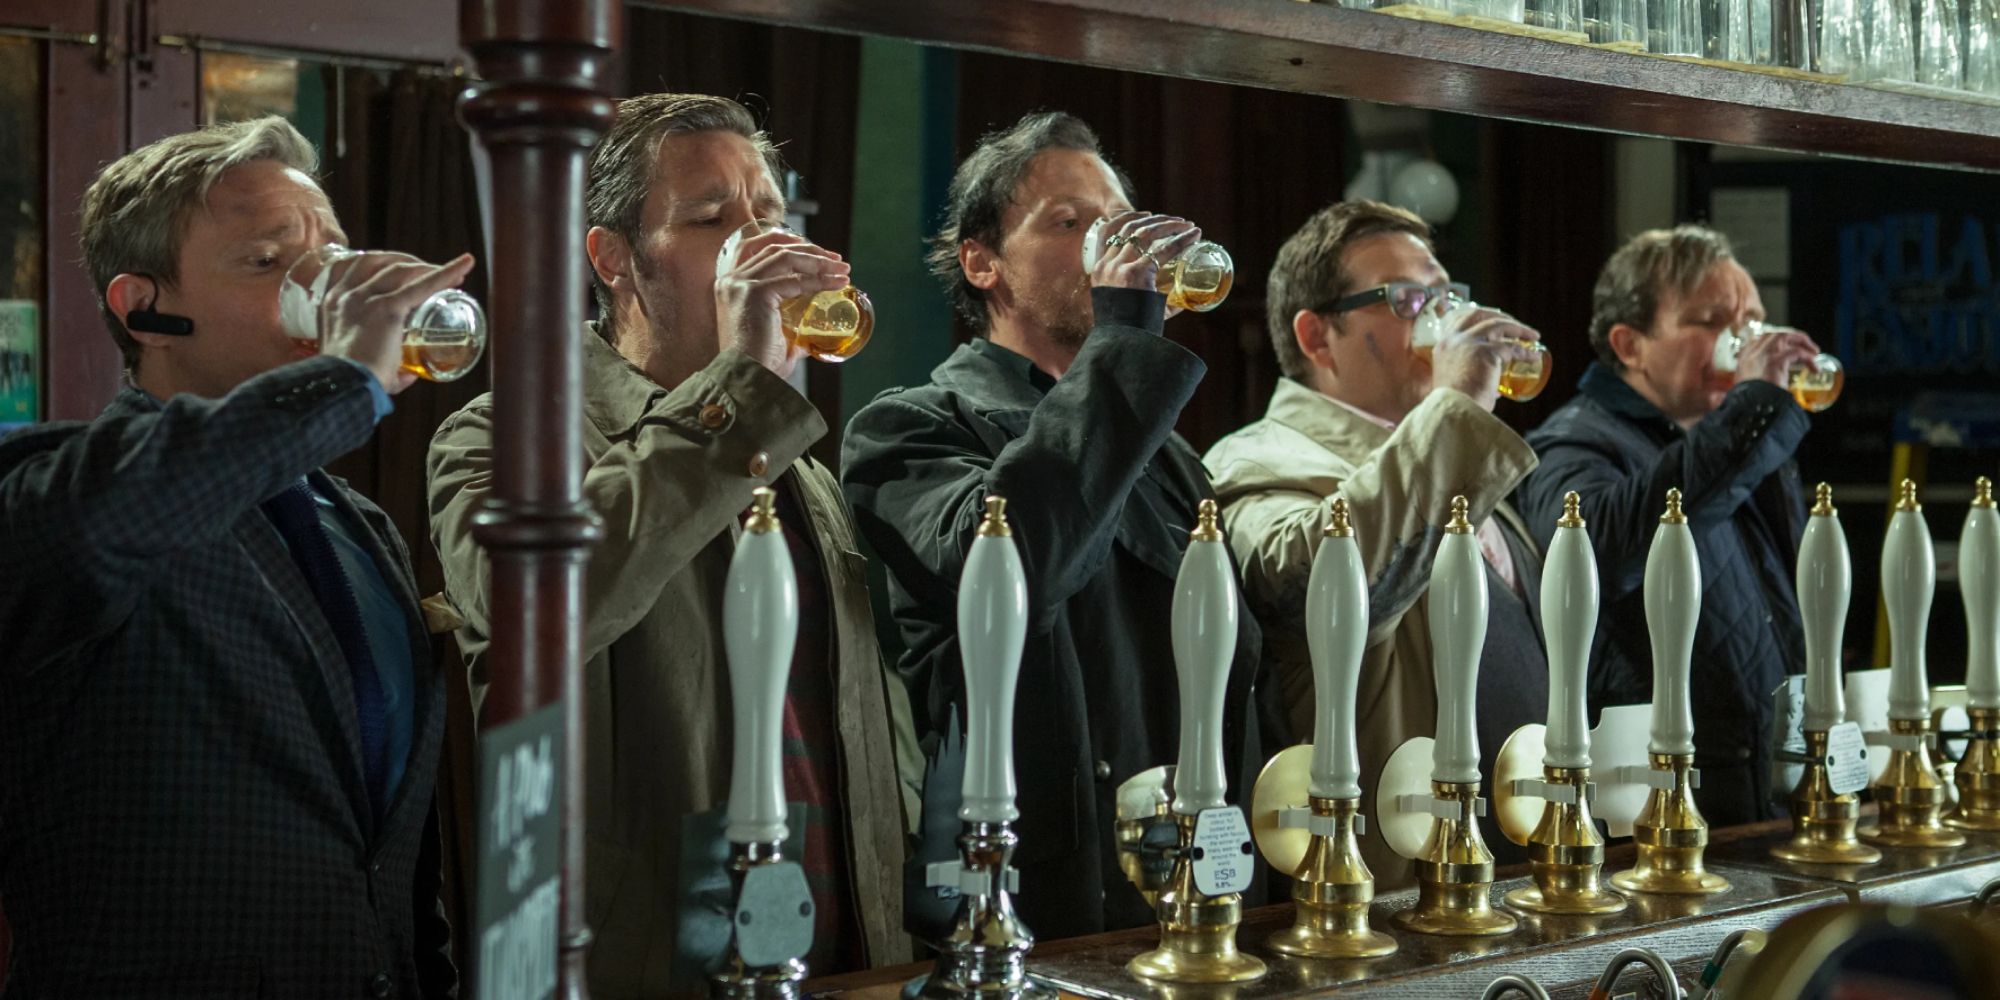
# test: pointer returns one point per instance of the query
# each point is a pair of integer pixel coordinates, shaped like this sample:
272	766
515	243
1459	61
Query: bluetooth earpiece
147	320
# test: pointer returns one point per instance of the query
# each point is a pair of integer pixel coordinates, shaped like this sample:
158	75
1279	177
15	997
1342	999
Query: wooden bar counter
1564	953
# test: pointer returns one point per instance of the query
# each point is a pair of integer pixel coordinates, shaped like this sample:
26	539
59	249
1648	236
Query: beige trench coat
1275	479
670	471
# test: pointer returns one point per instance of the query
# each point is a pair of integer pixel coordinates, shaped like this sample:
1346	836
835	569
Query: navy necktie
295	512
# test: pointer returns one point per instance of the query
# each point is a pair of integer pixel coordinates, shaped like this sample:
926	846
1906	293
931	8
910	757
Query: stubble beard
672	351
1067	315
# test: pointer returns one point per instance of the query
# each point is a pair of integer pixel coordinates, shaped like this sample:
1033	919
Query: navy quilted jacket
1740	490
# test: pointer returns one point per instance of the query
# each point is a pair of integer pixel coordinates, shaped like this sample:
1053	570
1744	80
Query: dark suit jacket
1101	494
182	808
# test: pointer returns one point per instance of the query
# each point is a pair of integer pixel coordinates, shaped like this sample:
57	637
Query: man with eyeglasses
1361	414
1651	414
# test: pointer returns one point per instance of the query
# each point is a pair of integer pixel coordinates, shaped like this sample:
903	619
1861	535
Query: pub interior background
1889	266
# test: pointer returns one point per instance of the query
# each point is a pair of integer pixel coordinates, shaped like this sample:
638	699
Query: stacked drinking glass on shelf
1949	44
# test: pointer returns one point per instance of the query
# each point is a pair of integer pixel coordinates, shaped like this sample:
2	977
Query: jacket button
760	463
713	416
382	986
1104	770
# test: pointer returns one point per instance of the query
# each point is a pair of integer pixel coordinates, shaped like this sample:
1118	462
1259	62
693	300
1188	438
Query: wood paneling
1549	230
82	361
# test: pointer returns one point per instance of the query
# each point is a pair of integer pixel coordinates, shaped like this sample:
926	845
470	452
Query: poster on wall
20	364
1892	270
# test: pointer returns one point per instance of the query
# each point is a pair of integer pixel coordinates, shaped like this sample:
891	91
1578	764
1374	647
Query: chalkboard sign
516	907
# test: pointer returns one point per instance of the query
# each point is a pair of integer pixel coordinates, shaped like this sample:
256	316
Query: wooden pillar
542	105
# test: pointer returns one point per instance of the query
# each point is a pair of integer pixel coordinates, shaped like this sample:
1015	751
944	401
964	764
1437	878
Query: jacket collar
993	377
1335	427
616	394
1610	390
132	401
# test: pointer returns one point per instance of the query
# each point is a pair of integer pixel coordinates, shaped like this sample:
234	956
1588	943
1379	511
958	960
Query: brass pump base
1909	797
1197	932
1455	874
1671	837
1823	822
1978	774
1566	855
1331	893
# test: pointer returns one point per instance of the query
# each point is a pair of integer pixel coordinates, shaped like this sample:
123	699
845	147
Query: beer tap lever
1911	801
1307	818
1670	833
1203	902
1978	772
1824	804
1566	853
771	925
1453	865
986	951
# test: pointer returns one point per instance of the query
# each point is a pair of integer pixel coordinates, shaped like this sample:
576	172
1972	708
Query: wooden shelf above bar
1324	49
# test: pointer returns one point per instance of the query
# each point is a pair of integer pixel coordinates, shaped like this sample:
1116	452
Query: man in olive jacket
1358	415
1066	408
687	411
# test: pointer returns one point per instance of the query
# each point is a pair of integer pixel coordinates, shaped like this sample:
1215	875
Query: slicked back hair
624	164
984	187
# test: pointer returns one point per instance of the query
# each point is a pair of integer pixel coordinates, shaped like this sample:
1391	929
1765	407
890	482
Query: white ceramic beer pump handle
1569	614
1825	582
1909	582
1204	644
1673	604
1458	631
992	624
1336	633
1979	583
760	624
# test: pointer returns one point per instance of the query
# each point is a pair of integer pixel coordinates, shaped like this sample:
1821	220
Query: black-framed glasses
1406	299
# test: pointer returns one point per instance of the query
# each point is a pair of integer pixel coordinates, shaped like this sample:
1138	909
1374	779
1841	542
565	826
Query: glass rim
740	233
